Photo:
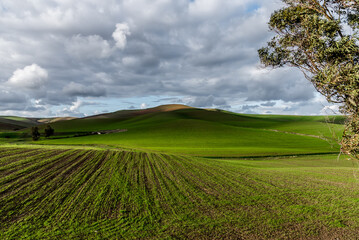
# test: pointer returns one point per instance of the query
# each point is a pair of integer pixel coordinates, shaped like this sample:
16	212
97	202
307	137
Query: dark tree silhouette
35	133
49	131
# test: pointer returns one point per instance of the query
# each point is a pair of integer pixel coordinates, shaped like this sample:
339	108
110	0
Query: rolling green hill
11	123
175	172
179	129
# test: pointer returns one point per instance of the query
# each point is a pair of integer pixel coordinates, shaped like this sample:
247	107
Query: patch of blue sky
252	7
3	8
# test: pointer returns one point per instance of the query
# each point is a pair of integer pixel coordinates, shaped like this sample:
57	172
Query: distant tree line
48	132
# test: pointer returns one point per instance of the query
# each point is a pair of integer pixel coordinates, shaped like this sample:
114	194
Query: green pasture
174	172
50	192
202	138
15	118
205	133
123	119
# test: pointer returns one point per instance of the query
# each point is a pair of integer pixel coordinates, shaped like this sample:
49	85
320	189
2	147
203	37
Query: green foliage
310	36
35	134
49	131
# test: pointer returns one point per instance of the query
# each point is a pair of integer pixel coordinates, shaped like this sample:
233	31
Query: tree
49	131
35	133
321	38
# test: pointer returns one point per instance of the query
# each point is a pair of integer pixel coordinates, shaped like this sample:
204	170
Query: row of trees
321	38
48	131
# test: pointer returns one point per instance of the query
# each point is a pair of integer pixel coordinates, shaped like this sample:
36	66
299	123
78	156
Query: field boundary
272	156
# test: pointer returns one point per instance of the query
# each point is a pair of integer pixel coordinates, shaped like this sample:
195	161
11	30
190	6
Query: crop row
74	193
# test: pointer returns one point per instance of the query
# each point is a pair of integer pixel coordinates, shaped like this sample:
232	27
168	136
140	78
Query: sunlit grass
56	192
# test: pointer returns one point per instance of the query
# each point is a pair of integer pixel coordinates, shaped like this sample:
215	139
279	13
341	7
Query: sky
80	58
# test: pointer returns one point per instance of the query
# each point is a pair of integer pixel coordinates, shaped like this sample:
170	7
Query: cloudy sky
65	57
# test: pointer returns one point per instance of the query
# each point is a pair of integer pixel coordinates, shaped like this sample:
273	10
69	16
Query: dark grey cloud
11	100
207	101
268	104
59	54
12	106
7	97
17	102
283	84
168	100
34	108
290	109
249	107
77	89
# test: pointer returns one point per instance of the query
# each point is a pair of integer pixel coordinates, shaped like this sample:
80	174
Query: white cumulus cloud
120	35
143	106
76	105
32	76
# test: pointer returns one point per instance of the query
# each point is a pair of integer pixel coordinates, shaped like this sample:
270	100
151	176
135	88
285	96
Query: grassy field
175	172
202	132
71	193
207	139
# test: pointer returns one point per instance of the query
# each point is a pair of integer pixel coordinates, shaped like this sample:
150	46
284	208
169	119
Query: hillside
179	129
166	113
115	120
13	123
175	172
